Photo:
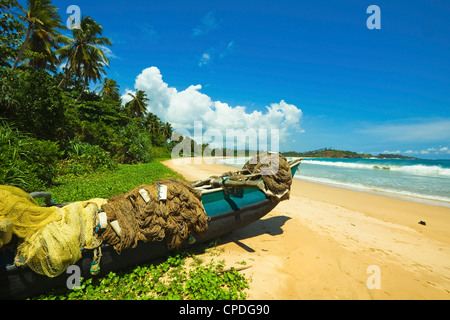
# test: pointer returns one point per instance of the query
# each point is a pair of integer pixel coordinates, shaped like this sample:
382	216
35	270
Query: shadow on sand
272	226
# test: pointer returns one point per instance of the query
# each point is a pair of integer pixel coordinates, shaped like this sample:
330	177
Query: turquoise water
419	179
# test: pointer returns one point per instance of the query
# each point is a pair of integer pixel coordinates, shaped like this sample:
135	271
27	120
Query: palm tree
12	31
82	51
41	51
43	23
167	130
137	106
91	70
109	88
156	126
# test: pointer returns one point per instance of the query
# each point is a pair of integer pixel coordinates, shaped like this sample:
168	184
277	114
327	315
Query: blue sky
309	68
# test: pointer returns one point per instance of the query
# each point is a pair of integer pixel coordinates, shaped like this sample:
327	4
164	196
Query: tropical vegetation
60	135
52	121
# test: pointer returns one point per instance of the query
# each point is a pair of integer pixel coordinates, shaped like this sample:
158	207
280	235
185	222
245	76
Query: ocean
414	179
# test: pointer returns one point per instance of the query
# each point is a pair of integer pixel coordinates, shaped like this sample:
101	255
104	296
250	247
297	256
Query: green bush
43	156
136	144
84	158
160	152
31	100
26	162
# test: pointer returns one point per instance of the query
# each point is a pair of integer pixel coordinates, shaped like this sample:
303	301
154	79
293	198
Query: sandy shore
330	243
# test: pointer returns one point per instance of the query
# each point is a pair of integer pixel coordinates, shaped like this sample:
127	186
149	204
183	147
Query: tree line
342	154
51	122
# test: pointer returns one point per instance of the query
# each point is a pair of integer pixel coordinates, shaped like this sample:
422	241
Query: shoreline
383	193
396	194
322	242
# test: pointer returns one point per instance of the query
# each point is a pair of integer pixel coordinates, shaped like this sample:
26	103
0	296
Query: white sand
323	242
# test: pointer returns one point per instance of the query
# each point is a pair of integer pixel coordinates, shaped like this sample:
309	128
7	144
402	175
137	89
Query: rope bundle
274	169
172	219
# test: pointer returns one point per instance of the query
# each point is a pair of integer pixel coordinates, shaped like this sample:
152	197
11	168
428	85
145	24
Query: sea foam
419	169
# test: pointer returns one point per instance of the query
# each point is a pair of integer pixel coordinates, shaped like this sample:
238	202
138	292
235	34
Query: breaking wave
419	169
361	187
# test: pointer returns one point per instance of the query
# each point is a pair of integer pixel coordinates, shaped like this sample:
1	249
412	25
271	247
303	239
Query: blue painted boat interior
222	201
230	200
294	170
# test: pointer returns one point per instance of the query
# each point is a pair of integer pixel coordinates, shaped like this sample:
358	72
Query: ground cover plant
182	276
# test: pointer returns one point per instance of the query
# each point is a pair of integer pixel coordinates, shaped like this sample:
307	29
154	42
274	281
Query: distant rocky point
332	153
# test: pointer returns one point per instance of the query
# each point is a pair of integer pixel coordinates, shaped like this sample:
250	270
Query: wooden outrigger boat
228	205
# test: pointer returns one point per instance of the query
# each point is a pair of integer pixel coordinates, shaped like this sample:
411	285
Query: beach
332	243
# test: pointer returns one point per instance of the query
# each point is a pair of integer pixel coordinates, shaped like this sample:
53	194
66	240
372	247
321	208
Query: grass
180	276
105	184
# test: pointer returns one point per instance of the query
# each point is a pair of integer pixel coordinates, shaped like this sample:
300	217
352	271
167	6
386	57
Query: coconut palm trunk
66	74
43	24
82	90
22	49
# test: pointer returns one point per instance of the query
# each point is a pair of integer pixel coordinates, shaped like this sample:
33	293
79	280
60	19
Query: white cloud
431	150
183	108
209	22
205	59
107	52
125	97
148	31
227	50
218	52
392	152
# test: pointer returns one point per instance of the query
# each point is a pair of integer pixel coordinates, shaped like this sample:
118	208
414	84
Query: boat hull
228	209
22	282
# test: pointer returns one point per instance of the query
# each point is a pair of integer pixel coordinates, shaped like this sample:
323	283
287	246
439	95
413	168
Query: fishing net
172	219
274	170
23	212
50	238
269	172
